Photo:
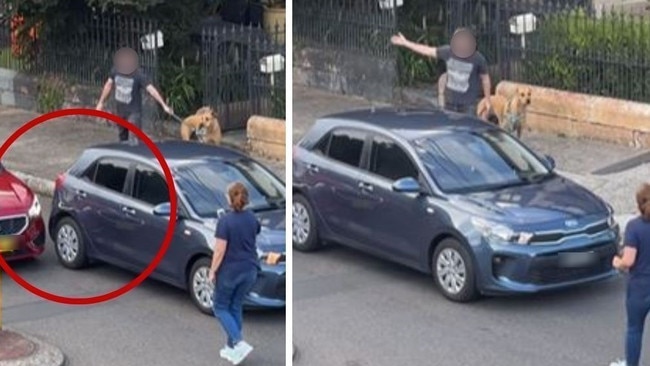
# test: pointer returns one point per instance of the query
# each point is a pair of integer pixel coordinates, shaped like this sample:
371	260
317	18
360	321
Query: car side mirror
407	185
165	210
550	162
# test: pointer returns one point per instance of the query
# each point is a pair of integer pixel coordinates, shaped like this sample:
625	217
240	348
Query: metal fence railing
244	72
81	52
565	44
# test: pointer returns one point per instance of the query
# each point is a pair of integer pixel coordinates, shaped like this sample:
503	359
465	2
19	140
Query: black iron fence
565	44
362	26
244	72
80	51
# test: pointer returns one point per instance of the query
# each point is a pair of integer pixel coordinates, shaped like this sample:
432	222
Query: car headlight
495	233
611	220
35	209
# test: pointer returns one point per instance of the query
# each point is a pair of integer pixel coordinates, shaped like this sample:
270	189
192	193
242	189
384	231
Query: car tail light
59	181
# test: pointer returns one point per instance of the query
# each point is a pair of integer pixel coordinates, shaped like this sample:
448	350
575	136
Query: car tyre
70	244
453	271
304	230
200	289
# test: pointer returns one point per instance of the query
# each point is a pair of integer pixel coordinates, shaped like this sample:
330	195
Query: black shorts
469	108
134	118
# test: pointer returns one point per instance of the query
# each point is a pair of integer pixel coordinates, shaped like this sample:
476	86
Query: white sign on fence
390	4
152	41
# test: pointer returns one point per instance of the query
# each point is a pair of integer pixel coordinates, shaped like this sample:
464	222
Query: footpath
576	159
42	153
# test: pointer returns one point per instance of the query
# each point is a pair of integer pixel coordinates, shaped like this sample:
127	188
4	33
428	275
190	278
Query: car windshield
204	185
478	161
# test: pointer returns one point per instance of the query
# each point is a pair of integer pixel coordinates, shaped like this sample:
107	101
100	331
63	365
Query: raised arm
422	49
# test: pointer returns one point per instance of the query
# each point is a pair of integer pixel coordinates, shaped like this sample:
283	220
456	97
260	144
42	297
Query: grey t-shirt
128	91
463	76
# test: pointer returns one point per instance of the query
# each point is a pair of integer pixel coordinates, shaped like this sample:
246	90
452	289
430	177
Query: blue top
637	235
239	230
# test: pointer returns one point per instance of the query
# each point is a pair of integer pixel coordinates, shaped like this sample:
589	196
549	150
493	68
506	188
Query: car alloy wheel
451	271
202	288
67	243
301	223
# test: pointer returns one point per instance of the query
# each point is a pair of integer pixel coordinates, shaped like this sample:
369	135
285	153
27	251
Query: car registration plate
8	244
577	260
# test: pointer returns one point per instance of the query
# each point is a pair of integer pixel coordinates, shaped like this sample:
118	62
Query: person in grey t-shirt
129	81
467	73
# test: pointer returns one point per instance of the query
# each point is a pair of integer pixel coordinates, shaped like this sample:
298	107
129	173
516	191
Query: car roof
174	151
411	123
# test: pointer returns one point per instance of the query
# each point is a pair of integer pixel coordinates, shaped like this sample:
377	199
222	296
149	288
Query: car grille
544	270
271	286
556	236
13	225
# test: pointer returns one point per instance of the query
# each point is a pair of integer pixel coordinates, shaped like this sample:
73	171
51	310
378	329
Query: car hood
15	196
553	200
272	236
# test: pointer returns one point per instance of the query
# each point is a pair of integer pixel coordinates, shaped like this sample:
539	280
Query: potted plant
275	18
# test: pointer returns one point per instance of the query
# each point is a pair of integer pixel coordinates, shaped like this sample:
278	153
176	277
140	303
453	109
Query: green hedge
603	56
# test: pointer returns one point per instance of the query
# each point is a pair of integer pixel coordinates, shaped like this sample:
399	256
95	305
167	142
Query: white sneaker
618	363
241	351
227	353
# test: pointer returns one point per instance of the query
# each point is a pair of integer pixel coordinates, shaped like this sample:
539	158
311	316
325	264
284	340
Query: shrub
605	56
50	94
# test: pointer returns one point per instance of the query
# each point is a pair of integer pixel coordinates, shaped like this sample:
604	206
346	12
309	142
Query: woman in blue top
235	266
636	260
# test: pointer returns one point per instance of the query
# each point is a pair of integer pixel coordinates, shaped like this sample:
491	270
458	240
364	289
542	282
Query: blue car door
401	223
98	195
145	231
332	176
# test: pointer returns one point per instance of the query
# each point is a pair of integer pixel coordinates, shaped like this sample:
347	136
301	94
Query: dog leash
177	118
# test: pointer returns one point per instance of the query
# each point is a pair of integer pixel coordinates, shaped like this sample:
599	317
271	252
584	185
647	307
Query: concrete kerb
38	185
44	354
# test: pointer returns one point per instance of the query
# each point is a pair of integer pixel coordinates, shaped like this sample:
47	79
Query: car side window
346	146
111	174
149	186
390	161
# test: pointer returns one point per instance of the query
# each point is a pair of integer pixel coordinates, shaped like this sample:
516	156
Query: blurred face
126	60
463	44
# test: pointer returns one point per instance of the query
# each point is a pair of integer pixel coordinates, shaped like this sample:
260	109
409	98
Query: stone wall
345	73
585	116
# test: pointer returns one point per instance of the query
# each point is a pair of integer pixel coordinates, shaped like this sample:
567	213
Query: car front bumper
269	291
30	243
530	269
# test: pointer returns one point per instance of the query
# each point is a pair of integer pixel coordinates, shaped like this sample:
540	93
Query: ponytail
643	200
238	196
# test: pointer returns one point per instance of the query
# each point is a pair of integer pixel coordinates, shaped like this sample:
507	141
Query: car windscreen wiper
537	177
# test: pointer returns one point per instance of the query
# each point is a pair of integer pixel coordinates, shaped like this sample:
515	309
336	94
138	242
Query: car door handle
128	210
312	168
81	193
366	186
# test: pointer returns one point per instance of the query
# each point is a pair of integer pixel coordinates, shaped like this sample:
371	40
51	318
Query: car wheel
453	271
199	285
304	232
69	244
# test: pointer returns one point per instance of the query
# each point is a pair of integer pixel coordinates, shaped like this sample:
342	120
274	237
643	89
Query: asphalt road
354	310
154	324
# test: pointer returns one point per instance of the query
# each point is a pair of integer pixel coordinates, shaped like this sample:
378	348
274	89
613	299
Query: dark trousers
135	119
228	300
464	108
638	306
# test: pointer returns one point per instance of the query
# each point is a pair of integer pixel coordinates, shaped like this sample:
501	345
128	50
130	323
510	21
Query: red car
22	230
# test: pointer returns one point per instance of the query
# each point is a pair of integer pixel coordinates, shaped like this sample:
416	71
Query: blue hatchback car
451	196
112	206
